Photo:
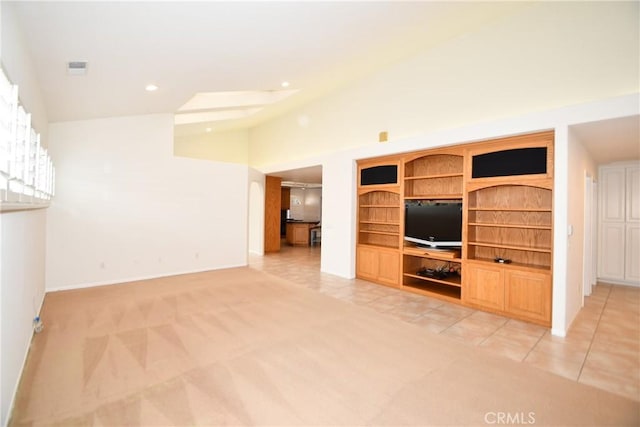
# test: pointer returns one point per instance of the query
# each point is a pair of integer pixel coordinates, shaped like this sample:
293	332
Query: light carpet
242	347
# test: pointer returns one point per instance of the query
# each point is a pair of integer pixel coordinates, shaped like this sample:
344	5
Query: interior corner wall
126	208
22	233
581	163
545	56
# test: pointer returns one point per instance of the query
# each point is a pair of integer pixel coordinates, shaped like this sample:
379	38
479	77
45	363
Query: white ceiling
612	140
211	46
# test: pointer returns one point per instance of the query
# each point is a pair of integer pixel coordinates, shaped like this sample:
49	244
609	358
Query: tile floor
601	349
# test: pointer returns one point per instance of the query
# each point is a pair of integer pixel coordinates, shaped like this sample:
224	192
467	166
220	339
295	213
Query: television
434	224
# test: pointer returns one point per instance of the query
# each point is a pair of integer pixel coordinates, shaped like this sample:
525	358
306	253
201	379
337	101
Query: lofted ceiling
194	50
186	48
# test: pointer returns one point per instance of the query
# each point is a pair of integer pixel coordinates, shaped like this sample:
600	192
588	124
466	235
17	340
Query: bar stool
315	234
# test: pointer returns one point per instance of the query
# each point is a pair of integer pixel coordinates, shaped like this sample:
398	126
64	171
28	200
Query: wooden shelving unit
416	260
507	215
379	222
379	218
433	176
508	236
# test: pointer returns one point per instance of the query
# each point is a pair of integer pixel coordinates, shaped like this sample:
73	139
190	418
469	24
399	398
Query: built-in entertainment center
470	224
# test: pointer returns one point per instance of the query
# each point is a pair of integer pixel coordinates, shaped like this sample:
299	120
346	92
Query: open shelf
515	248
442	175
523	226
385	233
456	196
434	289
434	176
453	280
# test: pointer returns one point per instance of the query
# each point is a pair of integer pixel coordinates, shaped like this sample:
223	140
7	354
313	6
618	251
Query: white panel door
632	252
613	194
633	194
612	251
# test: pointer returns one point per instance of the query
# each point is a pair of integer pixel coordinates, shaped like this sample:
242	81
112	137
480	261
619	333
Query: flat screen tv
434	225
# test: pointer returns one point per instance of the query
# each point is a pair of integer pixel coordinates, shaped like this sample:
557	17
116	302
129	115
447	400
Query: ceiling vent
77	68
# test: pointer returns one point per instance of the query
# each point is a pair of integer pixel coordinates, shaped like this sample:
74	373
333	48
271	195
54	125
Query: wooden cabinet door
366	263
301	235
389	267
484	286
285	198
272	202
378	265
528	295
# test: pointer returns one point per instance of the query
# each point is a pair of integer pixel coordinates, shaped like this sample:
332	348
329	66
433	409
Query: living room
127	209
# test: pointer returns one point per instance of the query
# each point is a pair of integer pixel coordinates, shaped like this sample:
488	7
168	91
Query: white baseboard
618	282
139	278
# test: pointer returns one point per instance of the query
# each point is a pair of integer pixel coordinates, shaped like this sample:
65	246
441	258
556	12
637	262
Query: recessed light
207	130
151	88
284	84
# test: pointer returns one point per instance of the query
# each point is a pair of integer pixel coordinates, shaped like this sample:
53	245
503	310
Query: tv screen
434	224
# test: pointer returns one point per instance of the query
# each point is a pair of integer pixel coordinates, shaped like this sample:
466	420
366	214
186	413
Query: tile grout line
586	356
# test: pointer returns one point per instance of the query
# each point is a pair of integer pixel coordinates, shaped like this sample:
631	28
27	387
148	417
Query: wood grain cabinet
285	198
505	187
379	221
378	265
519	293
484	286
527	295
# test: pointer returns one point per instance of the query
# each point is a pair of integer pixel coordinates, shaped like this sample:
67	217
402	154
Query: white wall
305	204
256	212
545	56
125	208
230	146
22	281
22	234
581	163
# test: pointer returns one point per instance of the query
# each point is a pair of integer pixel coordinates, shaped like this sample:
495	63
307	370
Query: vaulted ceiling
187	48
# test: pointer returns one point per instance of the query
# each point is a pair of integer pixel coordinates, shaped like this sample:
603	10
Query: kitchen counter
298	232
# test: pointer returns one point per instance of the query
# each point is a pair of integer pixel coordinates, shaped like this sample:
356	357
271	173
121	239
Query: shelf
443	175
378	245
434	289
449	255
453	281
502	209
516	265
524	226
385	233
380	206
435	197
380	222
517	248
